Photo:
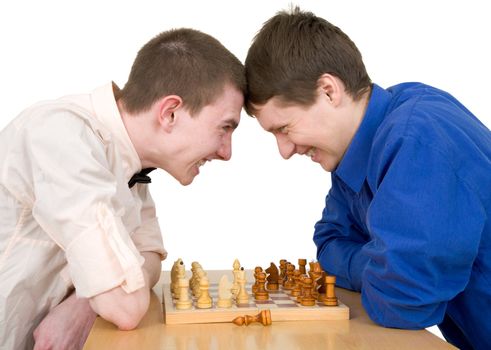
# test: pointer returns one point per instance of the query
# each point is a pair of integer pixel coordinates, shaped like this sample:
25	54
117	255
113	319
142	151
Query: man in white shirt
78	233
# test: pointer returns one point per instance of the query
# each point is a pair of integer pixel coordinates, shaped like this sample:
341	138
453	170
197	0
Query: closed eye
282	130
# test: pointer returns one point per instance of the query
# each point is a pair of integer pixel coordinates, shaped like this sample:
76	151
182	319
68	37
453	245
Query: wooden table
357	333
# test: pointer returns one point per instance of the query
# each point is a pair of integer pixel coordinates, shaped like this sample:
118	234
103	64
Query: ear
332	87
165	108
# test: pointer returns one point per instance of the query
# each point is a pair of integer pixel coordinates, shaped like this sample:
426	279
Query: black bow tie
141	177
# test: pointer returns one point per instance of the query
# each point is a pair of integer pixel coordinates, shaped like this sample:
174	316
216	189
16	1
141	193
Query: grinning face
319	131
204	136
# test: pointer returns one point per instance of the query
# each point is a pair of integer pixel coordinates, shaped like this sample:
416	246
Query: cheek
301	138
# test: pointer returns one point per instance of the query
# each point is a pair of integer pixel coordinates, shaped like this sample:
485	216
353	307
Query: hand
66	326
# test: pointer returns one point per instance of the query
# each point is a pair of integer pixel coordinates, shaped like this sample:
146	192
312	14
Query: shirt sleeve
339	241
426	224
148	237
73	202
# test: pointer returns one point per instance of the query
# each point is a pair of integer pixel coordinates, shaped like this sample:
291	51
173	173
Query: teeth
201	162
310	152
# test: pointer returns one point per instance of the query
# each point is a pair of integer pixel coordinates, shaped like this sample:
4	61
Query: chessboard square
264	302
287	305
245	305
283	297
285	302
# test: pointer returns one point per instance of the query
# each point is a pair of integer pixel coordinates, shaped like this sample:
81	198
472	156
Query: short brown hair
183	62
290	53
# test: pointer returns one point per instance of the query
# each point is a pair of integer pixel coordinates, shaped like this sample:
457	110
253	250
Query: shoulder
56	120
430	116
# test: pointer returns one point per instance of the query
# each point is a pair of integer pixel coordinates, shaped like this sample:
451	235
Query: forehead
226	106
274	113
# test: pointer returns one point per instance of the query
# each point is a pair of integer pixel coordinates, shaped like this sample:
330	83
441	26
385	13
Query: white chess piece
242	296
235	271
184	302
204	300
224	293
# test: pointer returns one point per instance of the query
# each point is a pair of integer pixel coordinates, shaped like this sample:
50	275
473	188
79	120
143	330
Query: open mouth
310	153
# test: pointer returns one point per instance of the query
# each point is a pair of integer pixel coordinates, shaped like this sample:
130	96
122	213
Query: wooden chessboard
282	306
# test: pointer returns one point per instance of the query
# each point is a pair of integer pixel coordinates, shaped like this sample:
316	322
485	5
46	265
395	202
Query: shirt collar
107	112
353	167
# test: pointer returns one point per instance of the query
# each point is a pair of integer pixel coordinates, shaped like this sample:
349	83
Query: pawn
264	317
301	281
330	298
297	288
204	300
261	293
307	298
256	272
283	263
289	282
183	302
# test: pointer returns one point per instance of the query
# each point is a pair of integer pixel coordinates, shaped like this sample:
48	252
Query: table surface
359	332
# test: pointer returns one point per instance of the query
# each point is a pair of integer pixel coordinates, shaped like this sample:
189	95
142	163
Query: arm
123	309
79	206
66	326
69	323
426	226
339	240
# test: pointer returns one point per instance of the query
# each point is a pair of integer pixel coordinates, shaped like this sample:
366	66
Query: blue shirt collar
353	166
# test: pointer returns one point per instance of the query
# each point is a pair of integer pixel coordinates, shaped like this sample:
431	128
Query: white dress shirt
67	215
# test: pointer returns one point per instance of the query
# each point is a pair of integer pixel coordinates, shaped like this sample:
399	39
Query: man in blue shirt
406	221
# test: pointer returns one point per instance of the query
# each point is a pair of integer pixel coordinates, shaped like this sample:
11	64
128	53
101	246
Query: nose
285	146
225	151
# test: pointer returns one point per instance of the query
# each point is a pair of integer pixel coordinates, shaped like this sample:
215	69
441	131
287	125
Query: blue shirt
406	220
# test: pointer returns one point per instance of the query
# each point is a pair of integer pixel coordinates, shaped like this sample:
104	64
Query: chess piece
235	271
282	271
301	282
289	282
195	266
256	271
224	293
321	290
204	300
242	296
183	302
330	298
307	298
315	266
301	266
273	277
297	288
173	276
315	273
264	317
261	293
200	273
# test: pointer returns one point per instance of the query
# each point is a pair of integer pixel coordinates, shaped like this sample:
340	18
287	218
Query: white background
257	207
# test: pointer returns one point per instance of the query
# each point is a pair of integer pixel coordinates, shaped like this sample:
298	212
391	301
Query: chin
328	167
186	181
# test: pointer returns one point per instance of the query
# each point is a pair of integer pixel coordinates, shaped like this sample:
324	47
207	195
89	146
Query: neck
136	127
354	117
